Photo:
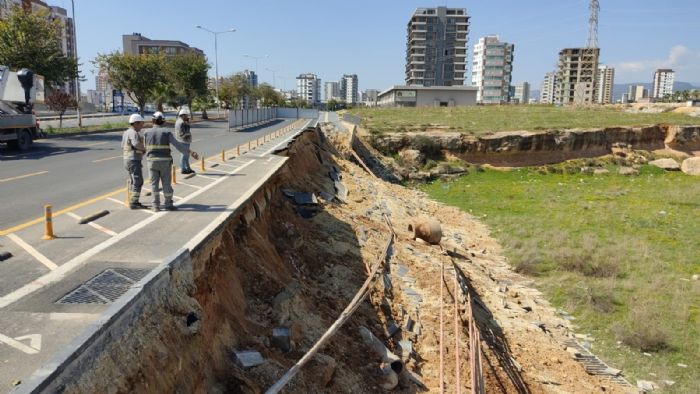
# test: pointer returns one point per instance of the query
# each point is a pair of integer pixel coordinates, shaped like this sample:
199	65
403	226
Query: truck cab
19	91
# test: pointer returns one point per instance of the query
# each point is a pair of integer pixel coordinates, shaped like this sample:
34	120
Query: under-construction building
576	76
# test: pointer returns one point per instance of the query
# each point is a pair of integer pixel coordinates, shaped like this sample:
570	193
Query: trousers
185	160
135	170
160	171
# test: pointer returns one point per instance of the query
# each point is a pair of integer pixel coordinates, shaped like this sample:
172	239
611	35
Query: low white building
309	88
427	96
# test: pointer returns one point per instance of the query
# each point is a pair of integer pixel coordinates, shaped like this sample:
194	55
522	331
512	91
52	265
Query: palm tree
162	93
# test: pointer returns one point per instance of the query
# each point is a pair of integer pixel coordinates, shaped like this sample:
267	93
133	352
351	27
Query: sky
368	38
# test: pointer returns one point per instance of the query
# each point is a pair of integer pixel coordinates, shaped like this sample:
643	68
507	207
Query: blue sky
331	37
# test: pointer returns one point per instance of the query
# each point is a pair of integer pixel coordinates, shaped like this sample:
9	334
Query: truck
19	91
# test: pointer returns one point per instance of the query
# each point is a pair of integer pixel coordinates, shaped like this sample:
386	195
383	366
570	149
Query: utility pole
75	51
256	60
273	76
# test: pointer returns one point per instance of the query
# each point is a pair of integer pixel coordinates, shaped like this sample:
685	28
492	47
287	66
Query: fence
238	118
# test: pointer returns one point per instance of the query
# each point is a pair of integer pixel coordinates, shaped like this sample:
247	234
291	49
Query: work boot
155	208
170	208
137	205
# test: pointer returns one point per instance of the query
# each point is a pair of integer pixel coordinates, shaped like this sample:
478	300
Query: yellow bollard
174	175
238	150
201	163
127	199
223	156
248	146
48	223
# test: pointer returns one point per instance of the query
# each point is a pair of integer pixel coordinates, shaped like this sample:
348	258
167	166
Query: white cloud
679	58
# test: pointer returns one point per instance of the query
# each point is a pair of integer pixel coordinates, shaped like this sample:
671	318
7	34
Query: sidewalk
42	317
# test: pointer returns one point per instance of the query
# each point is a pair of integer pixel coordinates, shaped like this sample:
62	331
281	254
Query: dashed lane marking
94	225
82	259
93	144
35	253
106	158
34	340
14	178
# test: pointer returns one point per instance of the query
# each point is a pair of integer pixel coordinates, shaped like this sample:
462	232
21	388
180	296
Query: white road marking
93	144
35	253
219	163
62	316
188	184
93	225
34	340
14	178
82	259
206	177
117	201
151	191
106	158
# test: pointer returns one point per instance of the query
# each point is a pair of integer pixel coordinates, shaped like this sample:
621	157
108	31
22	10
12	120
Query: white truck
19	91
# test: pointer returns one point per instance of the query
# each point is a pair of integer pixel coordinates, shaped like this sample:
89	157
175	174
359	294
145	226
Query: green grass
483	119
72	130
616	252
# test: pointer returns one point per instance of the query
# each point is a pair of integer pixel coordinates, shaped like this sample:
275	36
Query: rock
600	171
682	365
247	358
412	157
646	385
695	277
322	368
691	166
666	164
281	338
668	383
627	171
420	176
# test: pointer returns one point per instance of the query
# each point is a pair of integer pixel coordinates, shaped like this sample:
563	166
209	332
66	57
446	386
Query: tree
202	103
60	101
187	74
233	89
268	96
31	40
137	75
161	94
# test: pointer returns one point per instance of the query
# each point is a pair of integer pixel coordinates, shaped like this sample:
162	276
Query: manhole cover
104	288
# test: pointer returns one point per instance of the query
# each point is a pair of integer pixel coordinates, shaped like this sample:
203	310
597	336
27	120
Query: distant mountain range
620	89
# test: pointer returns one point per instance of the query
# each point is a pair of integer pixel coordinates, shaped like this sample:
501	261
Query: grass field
483	119
616	252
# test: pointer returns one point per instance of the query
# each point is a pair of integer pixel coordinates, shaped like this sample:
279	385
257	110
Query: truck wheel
24	139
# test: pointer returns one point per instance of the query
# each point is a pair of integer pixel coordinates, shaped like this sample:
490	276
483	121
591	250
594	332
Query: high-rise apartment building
251	77
349	91
309	88
370	97
492	70
548	87
522	93
604	84
66	28
663	83
331	91
436	47
636	93
136	44
576	75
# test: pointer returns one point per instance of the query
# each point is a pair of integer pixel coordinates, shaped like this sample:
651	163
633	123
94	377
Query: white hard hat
184	111
158	115
135	118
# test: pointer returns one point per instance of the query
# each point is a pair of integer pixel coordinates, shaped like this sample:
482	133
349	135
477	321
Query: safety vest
158	144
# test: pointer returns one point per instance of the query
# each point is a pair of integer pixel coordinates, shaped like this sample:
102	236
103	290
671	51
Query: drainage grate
104	288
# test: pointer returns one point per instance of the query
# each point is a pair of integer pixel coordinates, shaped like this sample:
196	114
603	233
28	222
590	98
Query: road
70	170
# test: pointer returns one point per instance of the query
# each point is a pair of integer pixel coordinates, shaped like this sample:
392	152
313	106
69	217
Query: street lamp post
273	76
256	60
75	52
216	62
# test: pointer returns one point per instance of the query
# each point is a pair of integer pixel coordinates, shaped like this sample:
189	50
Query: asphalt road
69	170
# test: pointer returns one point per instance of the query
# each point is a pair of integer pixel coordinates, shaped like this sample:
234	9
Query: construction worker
158	140
183	134
133	148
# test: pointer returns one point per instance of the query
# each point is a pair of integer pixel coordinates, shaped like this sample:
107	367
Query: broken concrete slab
247	358
327	197
281	338
405	348
305	199
392	329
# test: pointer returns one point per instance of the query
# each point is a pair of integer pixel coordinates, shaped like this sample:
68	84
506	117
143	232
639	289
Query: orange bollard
48	223
174	175
201	164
